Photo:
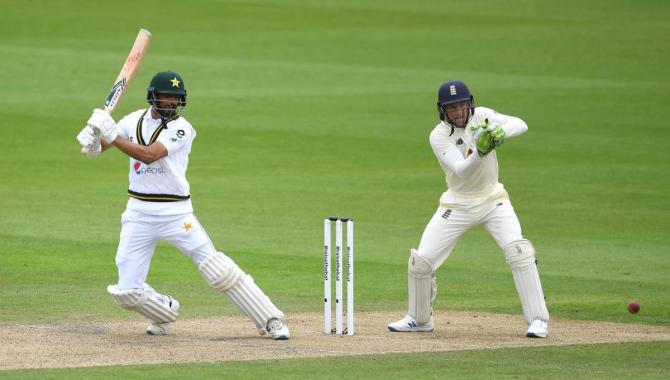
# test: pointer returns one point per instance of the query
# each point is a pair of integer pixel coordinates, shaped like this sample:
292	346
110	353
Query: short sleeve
122	126
175	139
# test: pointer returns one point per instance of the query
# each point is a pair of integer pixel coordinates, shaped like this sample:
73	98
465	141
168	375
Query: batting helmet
169	83
453	91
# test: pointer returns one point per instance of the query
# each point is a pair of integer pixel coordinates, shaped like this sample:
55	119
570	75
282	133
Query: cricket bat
129	69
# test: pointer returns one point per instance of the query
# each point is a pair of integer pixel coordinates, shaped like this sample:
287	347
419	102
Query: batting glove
104	125
87	136
89	141
92	150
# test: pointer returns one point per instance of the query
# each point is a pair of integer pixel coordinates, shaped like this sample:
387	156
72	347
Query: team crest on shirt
188	226
178	135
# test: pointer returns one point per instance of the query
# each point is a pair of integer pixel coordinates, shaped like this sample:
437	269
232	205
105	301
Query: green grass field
310	108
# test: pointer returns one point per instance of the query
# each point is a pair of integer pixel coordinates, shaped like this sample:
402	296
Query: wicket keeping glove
483	139
103	124
485	143
498	134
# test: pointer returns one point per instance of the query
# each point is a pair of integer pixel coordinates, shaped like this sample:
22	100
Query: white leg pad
421	288
152	305
220	271
251	300
520	255
223	274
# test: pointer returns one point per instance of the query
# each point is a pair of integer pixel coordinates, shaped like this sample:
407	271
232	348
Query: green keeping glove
485	143
483	138
498	134
476	130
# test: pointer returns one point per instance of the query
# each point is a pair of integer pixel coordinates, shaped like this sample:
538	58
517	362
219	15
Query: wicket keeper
465	144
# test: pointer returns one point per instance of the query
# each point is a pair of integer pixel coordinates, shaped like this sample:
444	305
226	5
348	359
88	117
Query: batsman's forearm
142	153
105	146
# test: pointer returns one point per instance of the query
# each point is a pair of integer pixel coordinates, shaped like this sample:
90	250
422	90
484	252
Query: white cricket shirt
471	180
160	188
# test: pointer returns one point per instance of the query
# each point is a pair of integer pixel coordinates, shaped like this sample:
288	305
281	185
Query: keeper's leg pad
421	288
156	307
223	274
520	255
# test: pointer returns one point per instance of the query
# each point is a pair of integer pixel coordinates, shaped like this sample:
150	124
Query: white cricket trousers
448	224
139	234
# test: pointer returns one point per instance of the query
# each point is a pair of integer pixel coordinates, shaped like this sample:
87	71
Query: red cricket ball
633	307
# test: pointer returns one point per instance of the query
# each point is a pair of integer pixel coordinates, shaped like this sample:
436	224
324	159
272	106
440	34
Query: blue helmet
453	91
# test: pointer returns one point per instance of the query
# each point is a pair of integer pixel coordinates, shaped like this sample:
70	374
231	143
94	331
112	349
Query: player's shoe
161	328
277	329
538	329
409	324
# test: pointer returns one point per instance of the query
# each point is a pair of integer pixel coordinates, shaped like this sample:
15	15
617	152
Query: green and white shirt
160	188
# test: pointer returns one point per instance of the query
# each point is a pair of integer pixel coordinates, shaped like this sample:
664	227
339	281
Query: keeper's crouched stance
464	143
158	141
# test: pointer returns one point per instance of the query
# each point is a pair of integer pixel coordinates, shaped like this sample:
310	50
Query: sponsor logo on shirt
140	169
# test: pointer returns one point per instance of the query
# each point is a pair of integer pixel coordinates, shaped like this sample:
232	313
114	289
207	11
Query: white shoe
277	329
538	329
161	328
408	324
158	328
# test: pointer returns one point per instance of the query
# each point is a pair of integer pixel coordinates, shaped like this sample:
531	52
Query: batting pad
155	307
421	288
251	300
520	255
220	271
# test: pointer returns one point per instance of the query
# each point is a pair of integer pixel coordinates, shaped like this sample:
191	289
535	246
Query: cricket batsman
465	144
158	141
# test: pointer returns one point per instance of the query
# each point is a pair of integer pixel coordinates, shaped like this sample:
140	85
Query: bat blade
129	69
